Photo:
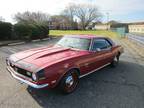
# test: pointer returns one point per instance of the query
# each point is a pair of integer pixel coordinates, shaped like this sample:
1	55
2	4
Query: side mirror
98	49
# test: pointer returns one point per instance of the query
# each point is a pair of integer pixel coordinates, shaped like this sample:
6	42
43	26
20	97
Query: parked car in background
63	64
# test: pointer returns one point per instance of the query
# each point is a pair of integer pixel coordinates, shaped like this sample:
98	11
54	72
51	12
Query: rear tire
69	82
115	61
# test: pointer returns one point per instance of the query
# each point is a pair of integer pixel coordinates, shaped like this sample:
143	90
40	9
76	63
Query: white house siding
136	28
102	27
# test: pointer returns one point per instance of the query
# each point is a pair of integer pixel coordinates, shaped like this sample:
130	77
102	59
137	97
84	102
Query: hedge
30	31
39	31
5	30
22	31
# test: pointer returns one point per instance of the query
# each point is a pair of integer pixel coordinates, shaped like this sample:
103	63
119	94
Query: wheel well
119	53
76	70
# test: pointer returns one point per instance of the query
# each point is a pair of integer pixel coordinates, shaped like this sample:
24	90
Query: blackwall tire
115	61
69	82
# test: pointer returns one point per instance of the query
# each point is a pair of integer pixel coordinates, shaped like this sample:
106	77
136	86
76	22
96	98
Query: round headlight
28	73
16	69
7	61
34	77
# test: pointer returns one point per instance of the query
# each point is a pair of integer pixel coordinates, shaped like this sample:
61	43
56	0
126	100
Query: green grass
92	32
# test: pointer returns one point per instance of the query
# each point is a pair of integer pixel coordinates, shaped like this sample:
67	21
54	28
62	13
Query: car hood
46	55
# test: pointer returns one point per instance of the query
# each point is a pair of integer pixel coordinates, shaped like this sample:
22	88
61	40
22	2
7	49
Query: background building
102	27
136	27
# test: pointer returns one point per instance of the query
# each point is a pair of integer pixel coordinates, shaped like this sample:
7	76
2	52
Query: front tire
69	82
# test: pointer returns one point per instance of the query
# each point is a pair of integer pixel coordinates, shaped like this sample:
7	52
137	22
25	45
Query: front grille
21	71
24	72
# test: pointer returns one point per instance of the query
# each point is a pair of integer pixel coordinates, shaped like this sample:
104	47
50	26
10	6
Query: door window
101	44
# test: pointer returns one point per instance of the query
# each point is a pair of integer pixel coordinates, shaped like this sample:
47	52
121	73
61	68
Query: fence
121	31
136	37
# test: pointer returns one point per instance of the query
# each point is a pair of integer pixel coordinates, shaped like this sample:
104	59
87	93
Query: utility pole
107	20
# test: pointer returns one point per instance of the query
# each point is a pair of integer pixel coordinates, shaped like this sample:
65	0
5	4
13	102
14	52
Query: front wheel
69	82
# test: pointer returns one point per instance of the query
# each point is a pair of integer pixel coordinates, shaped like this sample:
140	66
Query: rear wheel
115	61
69	82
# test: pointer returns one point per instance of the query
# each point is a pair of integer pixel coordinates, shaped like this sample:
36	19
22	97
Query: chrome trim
94	70
92	42
90	47
25	81
69	81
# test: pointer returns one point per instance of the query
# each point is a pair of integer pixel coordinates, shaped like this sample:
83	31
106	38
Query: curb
23	42
6	44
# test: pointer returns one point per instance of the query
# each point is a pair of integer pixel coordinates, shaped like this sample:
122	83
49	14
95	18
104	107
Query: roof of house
136	23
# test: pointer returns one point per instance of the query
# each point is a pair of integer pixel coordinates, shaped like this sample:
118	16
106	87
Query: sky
119	10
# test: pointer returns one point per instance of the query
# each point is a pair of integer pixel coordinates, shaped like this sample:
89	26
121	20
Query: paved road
120	87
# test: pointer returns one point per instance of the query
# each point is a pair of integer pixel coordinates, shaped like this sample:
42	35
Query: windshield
75	42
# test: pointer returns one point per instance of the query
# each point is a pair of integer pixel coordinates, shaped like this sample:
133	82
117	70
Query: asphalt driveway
120	87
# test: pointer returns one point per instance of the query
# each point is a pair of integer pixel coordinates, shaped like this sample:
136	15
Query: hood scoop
51	53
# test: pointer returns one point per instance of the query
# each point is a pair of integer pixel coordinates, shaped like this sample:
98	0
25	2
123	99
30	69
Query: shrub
31	31
39	31
22	31
5	30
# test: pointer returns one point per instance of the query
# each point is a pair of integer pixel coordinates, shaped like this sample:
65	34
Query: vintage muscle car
63	64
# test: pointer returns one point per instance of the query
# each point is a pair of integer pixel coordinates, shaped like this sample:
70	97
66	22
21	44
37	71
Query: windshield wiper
71	46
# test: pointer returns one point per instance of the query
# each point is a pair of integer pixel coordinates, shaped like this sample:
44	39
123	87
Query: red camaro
62	65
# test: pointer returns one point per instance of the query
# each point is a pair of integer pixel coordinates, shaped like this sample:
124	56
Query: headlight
41	74
7	61
34	77
28	73
16	69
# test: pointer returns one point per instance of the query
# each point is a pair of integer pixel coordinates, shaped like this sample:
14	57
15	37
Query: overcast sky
120	10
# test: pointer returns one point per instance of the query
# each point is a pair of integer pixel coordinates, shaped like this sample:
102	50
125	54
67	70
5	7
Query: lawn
92	32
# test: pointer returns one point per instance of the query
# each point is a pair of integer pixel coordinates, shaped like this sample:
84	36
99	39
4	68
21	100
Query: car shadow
99	89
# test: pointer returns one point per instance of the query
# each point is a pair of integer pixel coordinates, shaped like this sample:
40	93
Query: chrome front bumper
25	81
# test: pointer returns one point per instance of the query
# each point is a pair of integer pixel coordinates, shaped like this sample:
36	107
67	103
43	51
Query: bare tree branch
69	13
86	13
32	17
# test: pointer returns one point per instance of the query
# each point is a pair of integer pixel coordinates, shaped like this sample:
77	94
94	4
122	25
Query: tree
59	22
32	17
69	13
5	30
86	13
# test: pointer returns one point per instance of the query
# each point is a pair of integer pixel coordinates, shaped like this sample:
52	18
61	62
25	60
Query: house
111	26
102	27
137	27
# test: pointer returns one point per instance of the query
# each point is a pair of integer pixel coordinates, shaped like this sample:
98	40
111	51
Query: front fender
66	68
56	72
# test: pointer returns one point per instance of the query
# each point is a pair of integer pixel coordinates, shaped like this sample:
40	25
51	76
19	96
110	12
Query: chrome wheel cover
69	81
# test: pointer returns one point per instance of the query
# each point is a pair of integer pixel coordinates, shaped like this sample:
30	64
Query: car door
103	48
97	57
